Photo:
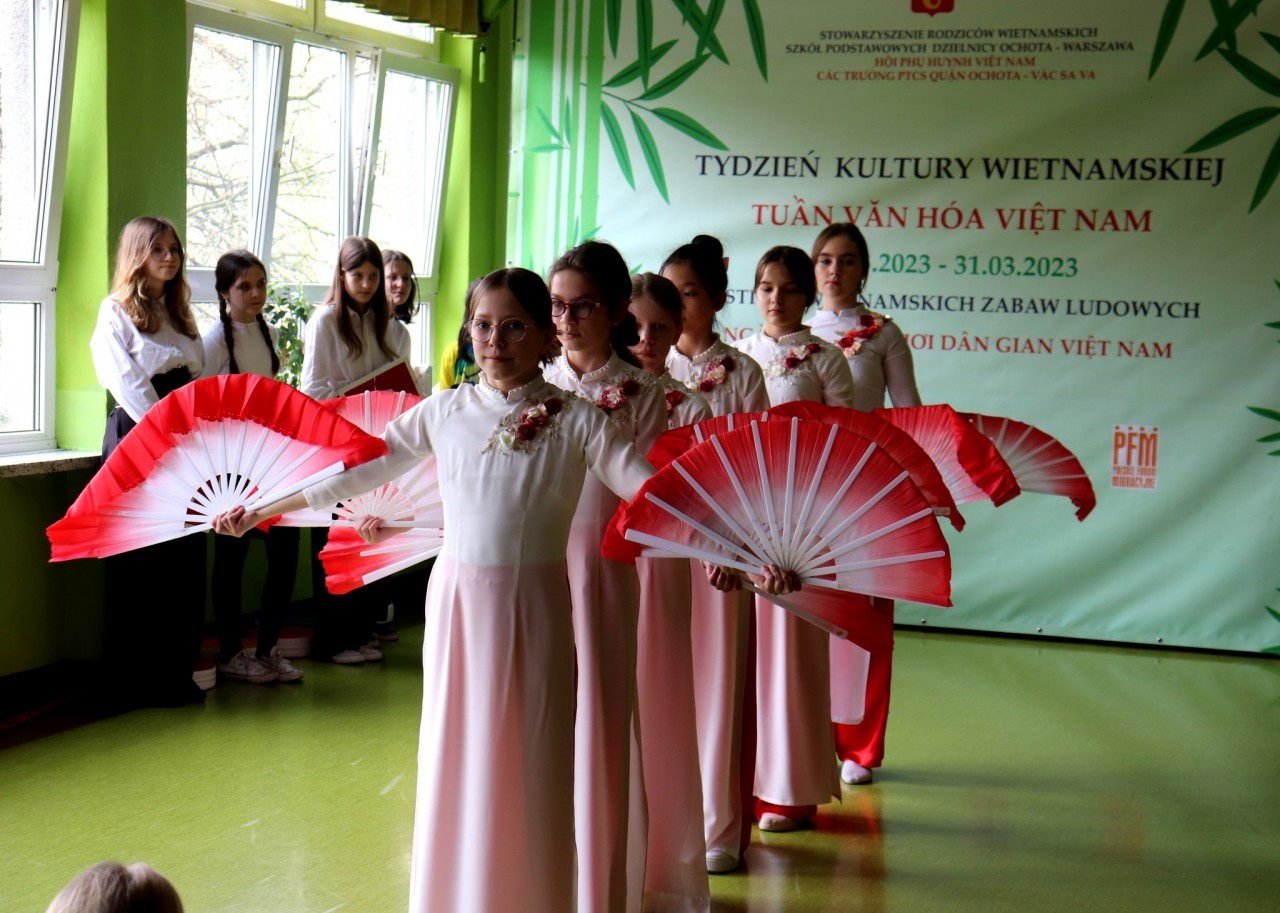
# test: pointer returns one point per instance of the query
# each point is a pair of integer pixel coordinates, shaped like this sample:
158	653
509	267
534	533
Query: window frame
37	282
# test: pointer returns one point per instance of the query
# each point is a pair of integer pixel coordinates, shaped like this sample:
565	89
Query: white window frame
388	53
37	282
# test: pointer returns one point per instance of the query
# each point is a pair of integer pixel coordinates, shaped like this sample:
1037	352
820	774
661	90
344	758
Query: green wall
127	157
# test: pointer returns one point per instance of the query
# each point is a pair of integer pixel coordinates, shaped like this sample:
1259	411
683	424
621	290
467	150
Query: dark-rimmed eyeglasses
579	310
512	329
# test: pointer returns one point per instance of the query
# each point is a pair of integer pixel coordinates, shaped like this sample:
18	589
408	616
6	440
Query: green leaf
691	13
613	130
1252	72
613	14
1241	123
1275	649
1164	35
1272	612
644	38
631	71
1272	39
1274	453
592	233
546	122
755	25
709	24
1274	326
1222	15
1267	178
689	127
1265	413
546	147
1269	438
566	121
651	156
674	79
1238	14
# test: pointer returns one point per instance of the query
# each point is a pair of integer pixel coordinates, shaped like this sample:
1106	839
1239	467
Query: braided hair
231	266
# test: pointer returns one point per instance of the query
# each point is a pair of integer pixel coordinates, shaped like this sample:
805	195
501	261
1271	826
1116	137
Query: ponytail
622	336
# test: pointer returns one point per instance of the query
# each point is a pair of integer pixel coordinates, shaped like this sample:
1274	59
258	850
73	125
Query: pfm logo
1134	449
933	7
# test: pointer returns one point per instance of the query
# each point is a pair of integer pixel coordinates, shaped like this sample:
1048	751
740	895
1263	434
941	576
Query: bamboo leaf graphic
1265	413
709	24
1241	123
566	119
631	71
1238	14
755	25
1269	438
651	156
1272	612
591	234
1222	14
691	13
1252	72
1164	35
1273	40
546	122
613	19
674	79
613	130
689	127
1274	326
1268	176
546	147
644	38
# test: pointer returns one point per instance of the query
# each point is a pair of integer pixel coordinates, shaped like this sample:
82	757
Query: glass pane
407	176
229	119
27	45
357	15
19	365
206	314
309	203
361	100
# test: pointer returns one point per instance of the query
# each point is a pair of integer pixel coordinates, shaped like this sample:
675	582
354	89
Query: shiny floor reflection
1021	776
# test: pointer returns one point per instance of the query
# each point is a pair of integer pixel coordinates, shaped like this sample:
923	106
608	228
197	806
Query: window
35	80
297	139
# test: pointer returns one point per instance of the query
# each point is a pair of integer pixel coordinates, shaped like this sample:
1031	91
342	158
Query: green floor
1022	776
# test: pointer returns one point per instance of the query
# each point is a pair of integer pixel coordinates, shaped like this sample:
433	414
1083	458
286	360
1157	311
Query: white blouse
252	354
507	502
328	365
883	361
684	406
125	358
740	388
800	366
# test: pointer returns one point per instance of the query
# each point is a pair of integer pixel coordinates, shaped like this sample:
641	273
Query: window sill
15	465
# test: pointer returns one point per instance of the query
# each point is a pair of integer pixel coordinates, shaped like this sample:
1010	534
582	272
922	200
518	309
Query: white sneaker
854	773
370	654
777	824
721	861
245	667
348	658
285	671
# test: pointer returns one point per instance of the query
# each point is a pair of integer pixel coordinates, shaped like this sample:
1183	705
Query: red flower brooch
852	341
519	432
789	359
714	373
615	396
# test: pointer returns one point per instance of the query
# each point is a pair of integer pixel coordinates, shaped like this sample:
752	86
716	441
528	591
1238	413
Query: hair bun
713	246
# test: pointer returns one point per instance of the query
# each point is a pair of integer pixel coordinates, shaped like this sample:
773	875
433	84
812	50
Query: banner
1073	215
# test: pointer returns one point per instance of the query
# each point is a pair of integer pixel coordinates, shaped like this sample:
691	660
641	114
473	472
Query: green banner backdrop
1072	214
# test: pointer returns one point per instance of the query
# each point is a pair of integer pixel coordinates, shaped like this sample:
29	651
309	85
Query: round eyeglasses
579	310
512	330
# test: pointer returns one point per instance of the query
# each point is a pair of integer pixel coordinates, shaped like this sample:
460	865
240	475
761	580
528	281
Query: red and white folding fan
350	562
217	443
970	464
670	444
816	499
896	442
412	499
1040	462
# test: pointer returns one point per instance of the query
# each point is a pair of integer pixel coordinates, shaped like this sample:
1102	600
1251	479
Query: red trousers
863	743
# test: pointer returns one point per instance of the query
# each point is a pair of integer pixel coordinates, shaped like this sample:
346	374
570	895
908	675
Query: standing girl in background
880	359
351	334
145	345
590	291
402	289
675	877
493	832
721	621
242	342
794	744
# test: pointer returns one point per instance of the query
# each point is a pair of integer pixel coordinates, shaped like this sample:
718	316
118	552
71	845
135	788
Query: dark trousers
347	621
229	554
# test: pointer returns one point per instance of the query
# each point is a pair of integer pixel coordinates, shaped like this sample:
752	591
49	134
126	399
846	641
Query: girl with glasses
590	293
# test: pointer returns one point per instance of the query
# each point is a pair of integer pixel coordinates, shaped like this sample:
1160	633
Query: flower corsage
674	398
790	359
522	433
615	396
714	373
852	341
